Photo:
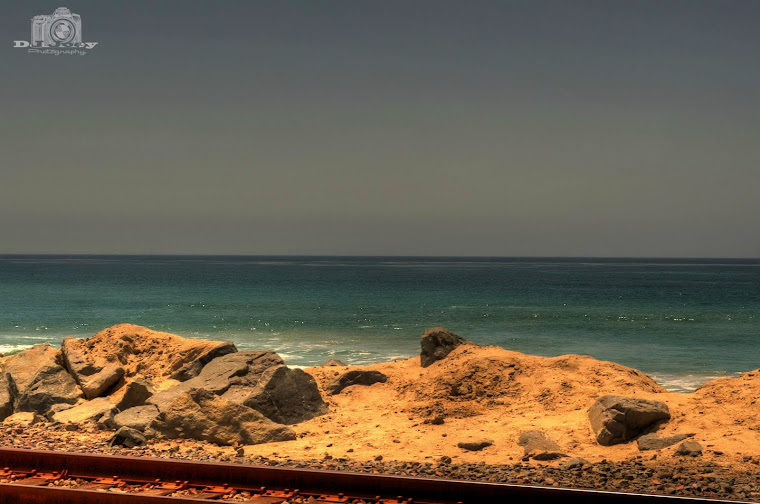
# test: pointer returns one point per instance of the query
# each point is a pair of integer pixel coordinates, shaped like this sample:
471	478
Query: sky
385	127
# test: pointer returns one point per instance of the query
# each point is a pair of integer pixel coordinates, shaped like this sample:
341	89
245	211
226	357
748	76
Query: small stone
71	427
445	459
574	462
475	445
689	448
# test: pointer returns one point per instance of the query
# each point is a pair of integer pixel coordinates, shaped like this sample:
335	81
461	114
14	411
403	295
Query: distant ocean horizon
682	321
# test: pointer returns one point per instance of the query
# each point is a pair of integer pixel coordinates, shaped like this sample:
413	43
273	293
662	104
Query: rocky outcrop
259	380
156	355
356	377
617	419
24	366
654	442
436	344
333	362
51	385
538	446
139	417
201	414
475	445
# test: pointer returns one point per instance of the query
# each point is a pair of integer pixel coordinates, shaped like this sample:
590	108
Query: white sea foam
687	382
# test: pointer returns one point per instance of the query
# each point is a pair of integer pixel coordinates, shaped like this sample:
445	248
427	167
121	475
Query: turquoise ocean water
681	321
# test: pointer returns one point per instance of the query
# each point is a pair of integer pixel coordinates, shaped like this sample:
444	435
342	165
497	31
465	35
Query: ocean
682	321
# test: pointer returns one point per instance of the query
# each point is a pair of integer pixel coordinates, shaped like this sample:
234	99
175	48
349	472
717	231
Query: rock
259	380
51	385
538	446
24	366
128	438
689	448
202	415
106	422
617	419
654	442
8	394
333	362
475	445
574	462
436	344
156	355
135	393
283	395
24	419
88	410
99	383
356	377
138	417
57	408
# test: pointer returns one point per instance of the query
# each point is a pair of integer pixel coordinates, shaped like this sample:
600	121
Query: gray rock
102	381
689	449
8	394
259	380
136	393
356	377
283	395
654	442
202	415
105	422
538	446
574	462
476	445
75	360
617	419
51	385
436	344
138	417
128	438
83	412
333	362
196	363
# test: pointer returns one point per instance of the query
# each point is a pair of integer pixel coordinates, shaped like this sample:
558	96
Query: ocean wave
687	382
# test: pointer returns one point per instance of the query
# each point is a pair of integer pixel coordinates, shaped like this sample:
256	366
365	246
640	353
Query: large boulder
129	438
202	415
355	377
135	393
156	355
256	379
139	417
51	385
24	366
102	381
617	419
436	344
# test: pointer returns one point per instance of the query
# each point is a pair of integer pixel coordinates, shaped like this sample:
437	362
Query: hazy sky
561	128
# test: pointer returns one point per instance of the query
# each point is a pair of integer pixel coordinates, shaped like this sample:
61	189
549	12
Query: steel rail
30	476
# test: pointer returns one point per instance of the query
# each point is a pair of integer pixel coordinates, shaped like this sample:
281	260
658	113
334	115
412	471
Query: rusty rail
32	476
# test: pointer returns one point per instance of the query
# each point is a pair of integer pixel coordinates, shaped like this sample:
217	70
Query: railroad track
33	476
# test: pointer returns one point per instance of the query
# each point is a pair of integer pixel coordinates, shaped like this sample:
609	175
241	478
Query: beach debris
617	419
135	393
653	442
333	362
538	446
200	414
137	417
51	385
573	463
475	445
690	449
355	377
128	438
82	412
436	344
99	383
